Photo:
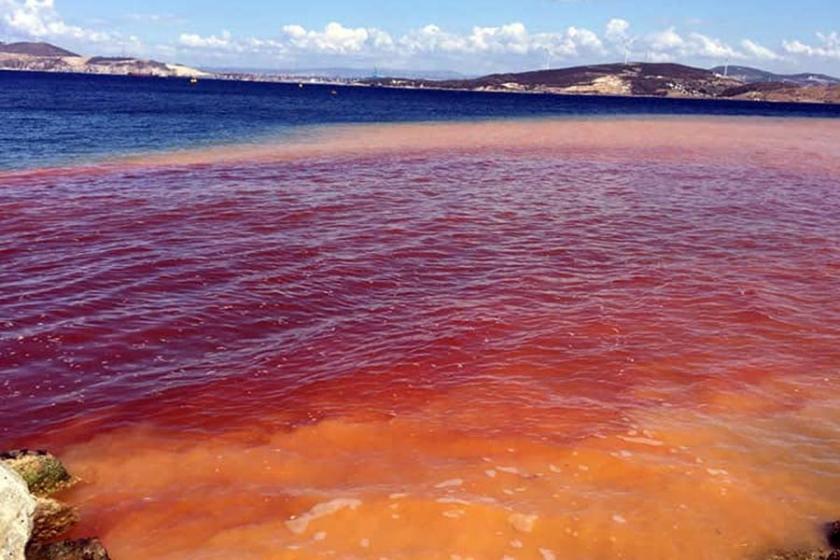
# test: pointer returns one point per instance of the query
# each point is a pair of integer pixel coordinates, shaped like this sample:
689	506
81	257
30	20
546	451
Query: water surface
559	339
55	119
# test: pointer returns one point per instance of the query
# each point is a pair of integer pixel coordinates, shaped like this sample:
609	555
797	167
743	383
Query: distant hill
663	80
44	57
788	92
35	49
634	79
754	75
644	79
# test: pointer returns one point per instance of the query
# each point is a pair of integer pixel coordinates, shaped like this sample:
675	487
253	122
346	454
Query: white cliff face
17	507
97	65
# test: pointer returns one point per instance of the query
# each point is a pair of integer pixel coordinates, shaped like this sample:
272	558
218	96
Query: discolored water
58	119
554	339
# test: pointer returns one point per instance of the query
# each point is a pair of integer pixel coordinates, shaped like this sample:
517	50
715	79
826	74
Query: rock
52	519
800	555
42	471
16	509
832	534
796	555
84	549
37	520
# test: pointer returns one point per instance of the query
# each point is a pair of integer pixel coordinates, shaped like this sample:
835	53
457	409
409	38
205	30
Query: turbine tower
628	46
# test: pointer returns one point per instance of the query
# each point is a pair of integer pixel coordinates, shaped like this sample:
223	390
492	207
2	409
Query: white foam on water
299	525
522	522
454	513
642	441
458	501
454	483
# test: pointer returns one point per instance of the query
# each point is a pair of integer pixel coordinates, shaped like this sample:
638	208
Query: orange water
554	339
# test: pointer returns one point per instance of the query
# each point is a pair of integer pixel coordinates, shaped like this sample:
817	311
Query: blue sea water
52	119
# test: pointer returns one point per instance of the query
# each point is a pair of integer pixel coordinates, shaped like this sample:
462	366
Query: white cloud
38	19
709	47
195	41
669	45
225	45
828	46
432	38
512	43
758	52
368	43
578	40
157	19
506	46
510	39
617	30
665	41
337	39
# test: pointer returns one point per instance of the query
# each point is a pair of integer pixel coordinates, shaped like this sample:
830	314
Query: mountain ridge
35	49
630	79
751	75
638	78
45	57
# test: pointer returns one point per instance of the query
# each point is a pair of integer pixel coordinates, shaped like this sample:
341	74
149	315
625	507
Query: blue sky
471	36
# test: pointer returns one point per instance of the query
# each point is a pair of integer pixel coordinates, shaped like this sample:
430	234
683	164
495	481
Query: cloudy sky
469	36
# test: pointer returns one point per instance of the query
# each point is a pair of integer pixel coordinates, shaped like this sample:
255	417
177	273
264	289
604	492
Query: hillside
785	92
644	79
44	57
35	49
663	80
754	75
634	79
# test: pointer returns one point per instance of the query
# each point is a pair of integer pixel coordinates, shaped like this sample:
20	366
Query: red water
604	339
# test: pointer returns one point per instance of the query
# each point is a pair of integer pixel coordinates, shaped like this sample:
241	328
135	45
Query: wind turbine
628	45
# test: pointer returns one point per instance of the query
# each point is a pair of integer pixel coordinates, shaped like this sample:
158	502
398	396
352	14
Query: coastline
295	81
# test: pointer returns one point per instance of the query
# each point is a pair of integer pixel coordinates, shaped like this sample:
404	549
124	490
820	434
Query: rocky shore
804	555
32	522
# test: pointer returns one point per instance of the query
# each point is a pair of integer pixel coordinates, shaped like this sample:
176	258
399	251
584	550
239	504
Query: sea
266	321
53	119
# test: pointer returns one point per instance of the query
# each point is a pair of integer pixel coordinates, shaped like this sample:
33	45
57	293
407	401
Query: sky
467	36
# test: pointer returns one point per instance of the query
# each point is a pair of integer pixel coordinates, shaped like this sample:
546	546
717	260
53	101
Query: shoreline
339	83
